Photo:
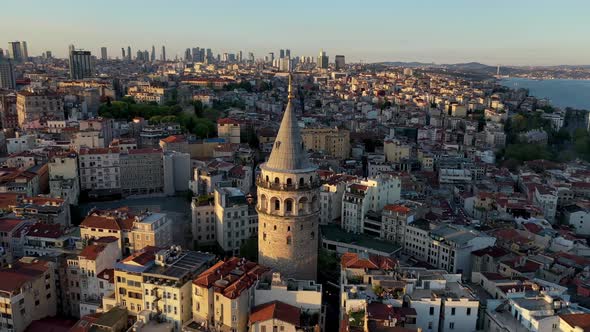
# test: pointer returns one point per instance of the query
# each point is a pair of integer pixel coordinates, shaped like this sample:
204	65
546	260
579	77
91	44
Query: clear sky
519	32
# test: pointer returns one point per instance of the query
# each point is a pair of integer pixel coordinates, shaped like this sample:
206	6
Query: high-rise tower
288	204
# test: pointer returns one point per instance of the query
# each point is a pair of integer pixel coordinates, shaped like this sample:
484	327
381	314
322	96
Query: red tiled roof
227	121
233	284
9	224
118	219
92	251
397	208
174	139
492	251
577	320
276	310
372	262
52	231
532	227
146	255
108	275
14	278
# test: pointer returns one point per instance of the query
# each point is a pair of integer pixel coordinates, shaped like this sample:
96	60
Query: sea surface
561	93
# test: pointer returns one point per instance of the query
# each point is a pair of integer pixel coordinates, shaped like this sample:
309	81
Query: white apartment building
579	218
546	199
64	181
331	198
235	220
95	259
367	195
20	144
446	247
203	221
99	169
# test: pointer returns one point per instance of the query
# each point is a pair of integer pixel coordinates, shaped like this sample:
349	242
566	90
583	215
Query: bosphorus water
561	93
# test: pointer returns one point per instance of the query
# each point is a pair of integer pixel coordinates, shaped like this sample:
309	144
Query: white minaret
288	204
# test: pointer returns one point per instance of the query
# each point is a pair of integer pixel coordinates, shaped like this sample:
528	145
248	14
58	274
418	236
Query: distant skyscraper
16	51
7	77
271	57
323	60
122	53
288	53
251	57
187	55
209	55
129	53
339	61
71	48
103	53
281	53
163	53
48	54
24	50
153	57
80	64
240	56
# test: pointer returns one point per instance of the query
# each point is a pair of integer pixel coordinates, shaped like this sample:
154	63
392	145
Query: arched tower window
313	235
301	182
263	203
288	228
303	202
289	205
267	179
289	181
288	239
277	180
275	203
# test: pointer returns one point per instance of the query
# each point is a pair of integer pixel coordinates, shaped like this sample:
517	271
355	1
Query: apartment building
133	231
50	240
331	194
27	293
167	284
12	232
236	219
129	291
546	199
44	209
222	295
147	94
305	295
8	114
396	150
142	172
333	142
151	229
446	246
64	181
38	107
229	129
100	169
94	261
203	221
21	143
395	218
363	196
176	143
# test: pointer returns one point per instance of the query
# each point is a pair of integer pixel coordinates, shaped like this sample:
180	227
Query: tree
198	106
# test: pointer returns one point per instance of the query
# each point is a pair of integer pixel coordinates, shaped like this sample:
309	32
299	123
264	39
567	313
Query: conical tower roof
288	152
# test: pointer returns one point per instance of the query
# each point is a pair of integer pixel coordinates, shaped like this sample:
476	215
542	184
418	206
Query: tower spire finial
291	96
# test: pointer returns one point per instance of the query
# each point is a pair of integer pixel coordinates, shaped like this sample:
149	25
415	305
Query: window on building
468	311
431	311
452	325
453	311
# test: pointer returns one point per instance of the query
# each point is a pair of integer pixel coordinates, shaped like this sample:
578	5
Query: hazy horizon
503	32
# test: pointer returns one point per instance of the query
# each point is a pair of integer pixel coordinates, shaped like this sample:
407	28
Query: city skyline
428	31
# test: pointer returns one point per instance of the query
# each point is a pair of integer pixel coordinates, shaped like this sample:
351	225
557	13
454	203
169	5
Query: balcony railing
287	187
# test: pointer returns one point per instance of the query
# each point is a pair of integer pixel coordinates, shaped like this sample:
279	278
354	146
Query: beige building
288	204
151	229
129	280
333	142
27	293
229	129
38	106
167	285
396	150
223	294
